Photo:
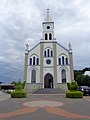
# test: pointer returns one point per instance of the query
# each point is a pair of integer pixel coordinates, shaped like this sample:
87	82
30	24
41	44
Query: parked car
84	89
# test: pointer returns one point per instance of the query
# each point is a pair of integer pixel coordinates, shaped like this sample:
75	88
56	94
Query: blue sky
21	22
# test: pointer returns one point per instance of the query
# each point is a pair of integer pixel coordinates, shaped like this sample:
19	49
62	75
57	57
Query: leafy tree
83	80
77	73
86	69
14	83
19	83
23	84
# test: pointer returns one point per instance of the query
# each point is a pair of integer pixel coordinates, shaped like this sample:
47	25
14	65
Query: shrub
73	86
18	94
68	86
76	94
19	83
23	84
19	88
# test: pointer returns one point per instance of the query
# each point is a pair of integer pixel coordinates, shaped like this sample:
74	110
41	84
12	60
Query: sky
21	23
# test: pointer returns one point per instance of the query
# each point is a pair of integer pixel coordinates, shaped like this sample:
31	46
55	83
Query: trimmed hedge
74	94
18	94
68	86
19	88
73	86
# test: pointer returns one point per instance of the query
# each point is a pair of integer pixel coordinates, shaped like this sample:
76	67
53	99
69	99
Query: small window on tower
50	36
46	36
48	27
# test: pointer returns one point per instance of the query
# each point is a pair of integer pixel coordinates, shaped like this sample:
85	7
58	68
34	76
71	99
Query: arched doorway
48	81
63	73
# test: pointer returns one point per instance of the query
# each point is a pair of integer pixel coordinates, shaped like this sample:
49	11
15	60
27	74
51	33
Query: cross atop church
48	10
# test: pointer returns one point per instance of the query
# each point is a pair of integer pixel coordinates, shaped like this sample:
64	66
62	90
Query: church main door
48	81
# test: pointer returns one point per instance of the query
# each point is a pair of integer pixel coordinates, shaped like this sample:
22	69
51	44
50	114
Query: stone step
49	91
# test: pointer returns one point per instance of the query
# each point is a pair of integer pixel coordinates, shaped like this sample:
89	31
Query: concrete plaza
44	107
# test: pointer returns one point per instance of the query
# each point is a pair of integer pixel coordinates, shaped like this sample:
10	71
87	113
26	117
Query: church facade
48	64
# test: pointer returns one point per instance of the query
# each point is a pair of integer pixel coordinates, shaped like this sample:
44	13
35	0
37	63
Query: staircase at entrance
49	91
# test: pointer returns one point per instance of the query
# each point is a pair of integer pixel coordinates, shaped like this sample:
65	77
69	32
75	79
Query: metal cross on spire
48	10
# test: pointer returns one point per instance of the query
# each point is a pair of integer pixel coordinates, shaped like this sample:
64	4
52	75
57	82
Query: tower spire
48	27
48	17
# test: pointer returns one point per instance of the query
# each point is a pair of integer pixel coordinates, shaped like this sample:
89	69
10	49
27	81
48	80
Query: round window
48	27
48	61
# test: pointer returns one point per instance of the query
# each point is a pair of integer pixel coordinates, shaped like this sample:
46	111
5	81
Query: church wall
46	45
45	30
35	51
62	51
47	70
59	76
29	70
45	27
45	64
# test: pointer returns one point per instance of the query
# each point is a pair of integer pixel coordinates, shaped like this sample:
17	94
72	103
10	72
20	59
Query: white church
48	64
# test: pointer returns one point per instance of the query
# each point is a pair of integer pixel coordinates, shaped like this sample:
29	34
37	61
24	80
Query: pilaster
25	66
55	65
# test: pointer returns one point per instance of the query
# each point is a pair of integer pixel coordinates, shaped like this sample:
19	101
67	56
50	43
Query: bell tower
48	28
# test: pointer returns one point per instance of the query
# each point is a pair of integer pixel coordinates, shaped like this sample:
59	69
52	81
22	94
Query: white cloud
20	23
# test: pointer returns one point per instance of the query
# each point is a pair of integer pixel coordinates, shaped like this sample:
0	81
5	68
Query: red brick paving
52	110
18	112
61	112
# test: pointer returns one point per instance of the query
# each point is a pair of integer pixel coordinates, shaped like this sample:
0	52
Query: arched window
50	36
33	76
33	60
62	60
44	53
51	53
46	37
63	74
48	53
66	61
37	61
59	61
30	61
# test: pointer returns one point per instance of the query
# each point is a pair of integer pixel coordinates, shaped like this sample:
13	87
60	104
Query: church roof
50	42
62	46
48	17
34	47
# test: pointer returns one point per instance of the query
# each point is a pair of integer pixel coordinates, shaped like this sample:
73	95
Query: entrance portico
48	81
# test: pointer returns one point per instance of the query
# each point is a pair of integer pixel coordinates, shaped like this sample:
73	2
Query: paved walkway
4	96
45	107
